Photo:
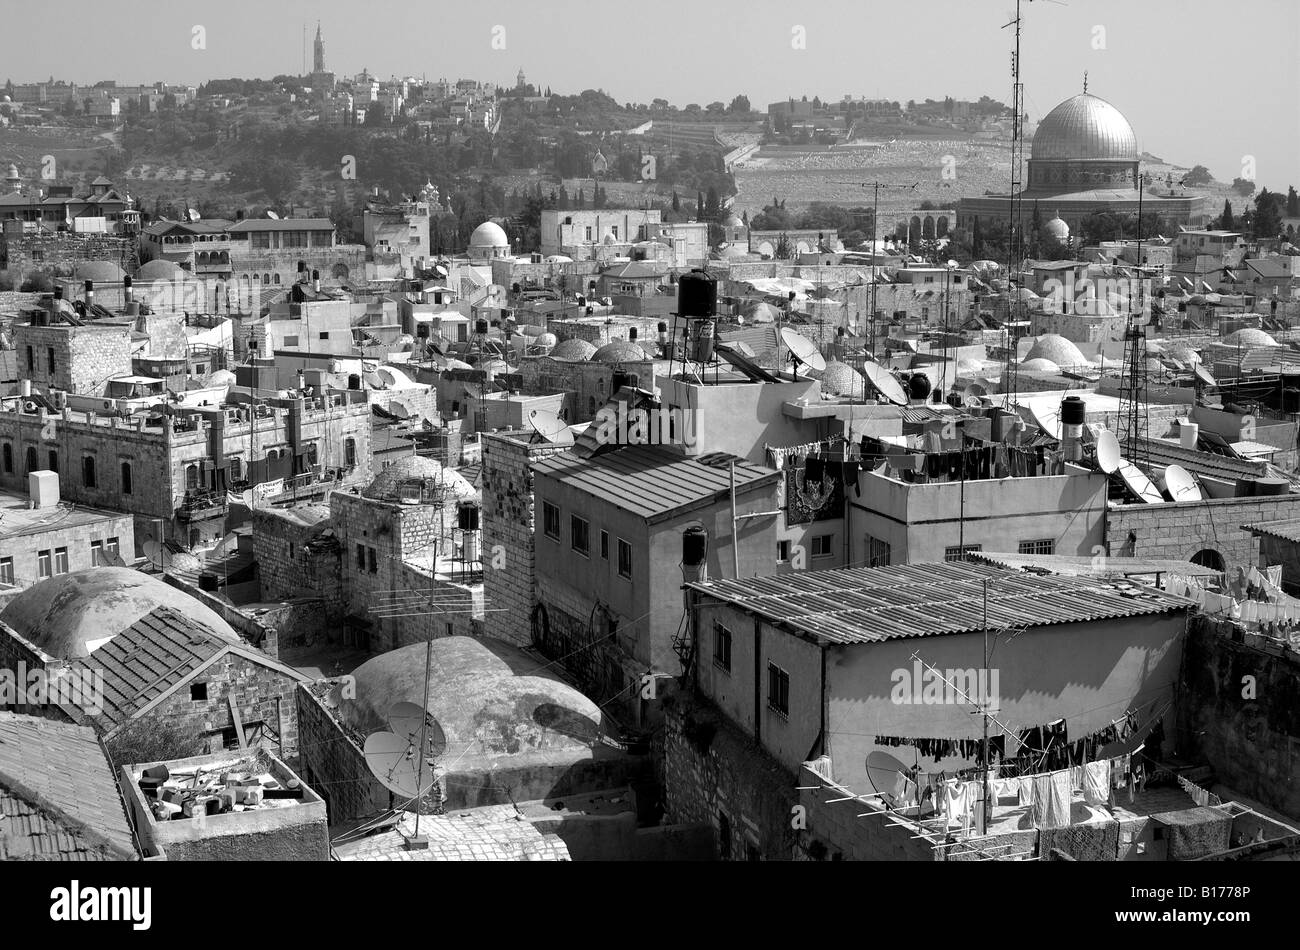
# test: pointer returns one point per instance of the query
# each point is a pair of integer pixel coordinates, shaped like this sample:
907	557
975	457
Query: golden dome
1085	128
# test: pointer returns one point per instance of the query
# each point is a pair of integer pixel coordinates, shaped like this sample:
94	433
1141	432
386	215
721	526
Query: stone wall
509	575
833	830
23	546
85	358
36	252
710	770
287	567
1182	529
332	763
1247	729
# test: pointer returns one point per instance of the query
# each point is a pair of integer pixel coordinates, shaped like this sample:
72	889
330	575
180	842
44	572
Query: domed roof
545	339
489	234
618	351
1058	350
486	697
220	377
159	269
105	271
1248	336
1085	127
413	468
732	221
70	615
1057	229
573	349
1040	365
841	379
12	172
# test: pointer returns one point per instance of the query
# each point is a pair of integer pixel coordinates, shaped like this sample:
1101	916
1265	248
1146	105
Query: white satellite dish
1203	376
802	350
1108	457
158	554
884	382
395	762
883	772
397	409
1049	420
440	270
1181	485
406	720
1138	483
273	216
550	427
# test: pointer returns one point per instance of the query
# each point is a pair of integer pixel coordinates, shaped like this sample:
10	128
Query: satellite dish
883	771
192	214
803	350
1181	485
273	216
884	382
407	719
1203	376
1108	457
1138	483
158	554
550	427
440	270
394	761
1049	420
976	390
397	409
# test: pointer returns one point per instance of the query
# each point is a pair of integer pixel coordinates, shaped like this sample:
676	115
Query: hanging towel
1096	783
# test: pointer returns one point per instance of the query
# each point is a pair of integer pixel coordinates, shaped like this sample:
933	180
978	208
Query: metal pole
984	710
424	729
735	537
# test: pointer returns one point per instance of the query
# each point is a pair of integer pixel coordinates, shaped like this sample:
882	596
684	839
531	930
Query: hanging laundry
1096	783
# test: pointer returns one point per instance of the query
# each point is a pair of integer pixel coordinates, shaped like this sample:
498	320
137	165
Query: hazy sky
1202	81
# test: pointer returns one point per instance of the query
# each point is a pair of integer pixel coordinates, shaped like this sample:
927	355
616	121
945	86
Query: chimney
315	281
24	387
126	289
90	294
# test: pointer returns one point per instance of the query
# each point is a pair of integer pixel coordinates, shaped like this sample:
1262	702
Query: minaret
519	80
318	57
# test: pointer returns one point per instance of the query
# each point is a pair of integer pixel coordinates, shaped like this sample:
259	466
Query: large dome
100	271
386	486
70	615
487	698
573	349
489	235
619	351
1085	128
1249	336
1056	349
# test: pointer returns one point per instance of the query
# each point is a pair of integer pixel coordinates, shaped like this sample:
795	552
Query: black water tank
918	387
631	333
1073	411
208	581
697	295
481	327
695	546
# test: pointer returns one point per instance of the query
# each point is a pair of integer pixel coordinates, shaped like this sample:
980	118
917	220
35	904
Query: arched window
191	476
8	457
236	469
88	471
54	461
266	278
312	454
126	478
275	278
31	458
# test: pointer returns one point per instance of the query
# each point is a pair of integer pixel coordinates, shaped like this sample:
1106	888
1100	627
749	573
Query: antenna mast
1015	230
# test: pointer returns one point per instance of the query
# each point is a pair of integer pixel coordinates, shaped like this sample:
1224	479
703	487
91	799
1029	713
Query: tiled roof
874	605
649	481
58	798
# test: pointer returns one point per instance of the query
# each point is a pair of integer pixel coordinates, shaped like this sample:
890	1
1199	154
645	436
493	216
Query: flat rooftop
19	520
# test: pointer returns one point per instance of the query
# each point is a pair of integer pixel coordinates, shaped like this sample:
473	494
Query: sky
1202	81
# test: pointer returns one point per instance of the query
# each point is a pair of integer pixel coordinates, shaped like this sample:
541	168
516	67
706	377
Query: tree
1227	223
677	202
715	108
784	249
1292	202
1268	214
1243	187
739	105
976	242
1200	175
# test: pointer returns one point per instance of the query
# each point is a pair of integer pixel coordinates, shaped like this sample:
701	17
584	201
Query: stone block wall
84	357
332	762
1182	529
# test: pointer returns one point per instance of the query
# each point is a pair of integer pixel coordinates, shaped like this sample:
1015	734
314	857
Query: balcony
200	504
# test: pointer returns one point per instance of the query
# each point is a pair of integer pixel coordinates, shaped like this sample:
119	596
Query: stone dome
487	699
220	377
1248	336
100	271
545	339
573	349
488	240
387	485
11	174
841	379
619	351
1040	365
732	221
1056	349
1057	229
1085	128
70	615
159	269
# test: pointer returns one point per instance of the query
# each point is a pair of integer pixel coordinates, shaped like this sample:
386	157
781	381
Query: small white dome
1040	365
1248	336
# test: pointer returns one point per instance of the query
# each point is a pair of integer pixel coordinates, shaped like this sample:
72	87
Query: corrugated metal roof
874	605
58	798
1287	529
651	481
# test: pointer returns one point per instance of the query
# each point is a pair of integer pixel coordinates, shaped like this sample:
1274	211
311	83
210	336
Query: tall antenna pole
1014	222
984	710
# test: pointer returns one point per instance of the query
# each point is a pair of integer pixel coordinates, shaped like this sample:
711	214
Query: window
325	336
290	341
49	353
236	468
60	560
589	233
54	460
230	738
551	520
126	478
110	550
198	692
1042	546
8	457
821	545
6	570
778	689
96	553
721	647
350	453
88	471
959	553
31	360
43	564
191	476
361	557
782	551
372	561
624	558
604	545
877	552
578	530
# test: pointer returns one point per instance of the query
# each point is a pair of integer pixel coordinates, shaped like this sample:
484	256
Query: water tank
1189	435
1271	486
471	546
208	581
695	546
918	387
1073	411
481	327
702	341
697	295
